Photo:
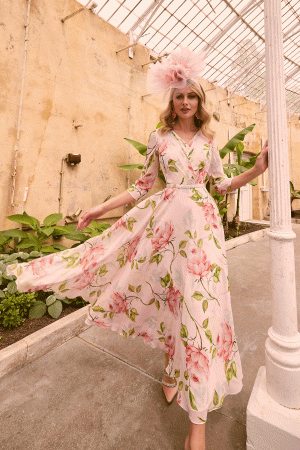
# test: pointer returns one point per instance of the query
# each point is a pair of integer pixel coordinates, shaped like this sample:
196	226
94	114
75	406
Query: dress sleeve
149	172
221	182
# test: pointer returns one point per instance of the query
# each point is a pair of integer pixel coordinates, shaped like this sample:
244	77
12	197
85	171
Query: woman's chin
185	115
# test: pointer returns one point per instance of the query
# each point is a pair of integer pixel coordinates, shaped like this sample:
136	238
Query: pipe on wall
14	174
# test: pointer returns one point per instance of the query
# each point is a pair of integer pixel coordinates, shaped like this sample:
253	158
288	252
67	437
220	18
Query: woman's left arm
260	166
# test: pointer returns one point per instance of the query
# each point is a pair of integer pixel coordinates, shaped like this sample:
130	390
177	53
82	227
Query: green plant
79	302
142	149
239	165
295	195
39	236
14	308
52	304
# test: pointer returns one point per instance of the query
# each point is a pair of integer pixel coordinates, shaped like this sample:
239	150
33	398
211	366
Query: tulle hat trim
180	68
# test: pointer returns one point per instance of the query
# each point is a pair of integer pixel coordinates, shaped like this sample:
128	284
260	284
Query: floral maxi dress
160	272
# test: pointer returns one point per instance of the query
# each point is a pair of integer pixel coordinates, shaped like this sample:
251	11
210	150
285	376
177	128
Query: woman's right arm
98	211
139	189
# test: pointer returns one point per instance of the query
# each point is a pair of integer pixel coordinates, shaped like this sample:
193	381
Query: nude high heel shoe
170	389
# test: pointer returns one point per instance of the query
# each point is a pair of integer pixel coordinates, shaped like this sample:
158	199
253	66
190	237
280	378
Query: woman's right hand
90	215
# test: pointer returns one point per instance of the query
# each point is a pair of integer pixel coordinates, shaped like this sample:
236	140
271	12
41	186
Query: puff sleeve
149	172
221	182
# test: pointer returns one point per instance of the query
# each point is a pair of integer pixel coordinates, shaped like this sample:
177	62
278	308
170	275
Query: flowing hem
118	329
194	415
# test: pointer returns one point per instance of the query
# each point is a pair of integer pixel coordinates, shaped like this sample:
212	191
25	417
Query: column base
269	424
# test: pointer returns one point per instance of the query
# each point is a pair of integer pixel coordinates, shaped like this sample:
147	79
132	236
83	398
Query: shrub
14	308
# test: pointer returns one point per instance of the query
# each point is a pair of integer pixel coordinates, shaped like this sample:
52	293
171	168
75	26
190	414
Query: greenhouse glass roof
231	33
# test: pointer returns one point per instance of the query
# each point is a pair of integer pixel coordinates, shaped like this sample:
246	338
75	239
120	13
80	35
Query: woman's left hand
262	160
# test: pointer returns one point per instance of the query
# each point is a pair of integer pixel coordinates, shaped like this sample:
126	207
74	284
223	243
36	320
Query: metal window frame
224	16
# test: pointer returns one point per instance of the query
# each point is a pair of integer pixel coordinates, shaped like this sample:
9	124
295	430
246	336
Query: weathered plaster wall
80	96
73	77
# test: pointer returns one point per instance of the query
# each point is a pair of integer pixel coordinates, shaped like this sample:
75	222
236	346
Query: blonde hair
204	116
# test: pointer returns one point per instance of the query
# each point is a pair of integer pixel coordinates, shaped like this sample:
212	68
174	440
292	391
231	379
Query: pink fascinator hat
174	71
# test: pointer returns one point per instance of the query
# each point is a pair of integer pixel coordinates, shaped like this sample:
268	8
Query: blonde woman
160	271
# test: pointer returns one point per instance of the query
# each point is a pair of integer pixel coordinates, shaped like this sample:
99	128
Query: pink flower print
170	344
173	300
146	182
162	147
132	248
168	194
197	263
39	266
162	235
84	279
198	176
179	398
225	342
91	256
101	324
117	224
221	191
119	303
147	338
196	364
209	214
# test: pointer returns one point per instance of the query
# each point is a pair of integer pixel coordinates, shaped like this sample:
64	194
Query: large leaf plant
239	165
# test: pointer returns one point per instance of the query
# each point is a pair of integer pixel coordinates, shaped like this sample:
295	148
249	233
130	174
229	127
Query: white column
283	343
271	421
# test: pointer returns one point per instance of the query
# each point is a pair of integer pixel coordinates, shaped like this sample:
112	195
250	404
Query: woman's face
185	102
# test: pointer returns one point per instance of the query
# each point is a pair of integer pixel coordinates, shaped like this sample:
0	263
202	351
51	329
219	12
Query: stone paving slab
78	396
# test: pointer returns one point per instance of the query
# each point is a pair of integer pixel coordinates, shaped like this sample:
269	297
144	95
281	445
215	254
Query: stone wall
80	96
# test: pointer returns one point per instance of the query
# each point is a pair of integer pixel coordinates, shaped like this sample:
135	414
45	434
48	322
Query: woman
160	271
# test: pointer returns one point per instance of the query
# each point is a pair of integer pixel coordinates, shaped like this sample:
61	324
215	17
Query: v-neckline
186	143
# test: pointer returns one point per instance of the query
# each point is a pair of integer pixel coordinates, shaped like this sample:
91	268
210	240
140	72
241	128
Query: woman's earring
197	116
173	113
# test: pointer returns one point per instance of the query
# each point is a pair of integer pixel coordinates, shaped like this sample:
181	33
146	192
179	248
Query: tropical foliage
295	195
239	165
37	236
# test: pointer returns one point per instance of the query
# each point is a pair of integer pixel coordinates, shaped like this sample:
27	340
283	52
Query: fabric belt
185	186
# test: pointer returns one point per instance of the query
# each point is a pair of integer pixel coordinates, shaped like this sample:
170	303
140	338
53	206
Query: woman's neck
185	126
